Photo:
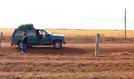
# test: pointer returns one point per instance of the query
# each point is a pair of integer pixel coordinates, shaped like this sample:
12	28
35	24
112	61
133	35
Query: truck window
43	33
48	32
31	33
18	33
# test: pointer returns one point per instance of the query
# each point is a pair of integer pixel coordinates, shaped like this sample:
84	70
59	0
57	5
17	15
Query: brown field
74	33
84	35
75	60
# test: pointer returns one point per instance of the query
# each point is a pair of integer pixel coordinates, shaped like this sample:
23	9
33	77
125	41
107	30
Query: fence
1	37
97	50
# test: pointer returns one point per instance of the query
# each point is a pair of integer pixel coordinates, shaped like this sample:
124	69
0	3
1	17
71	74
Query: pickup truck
37	37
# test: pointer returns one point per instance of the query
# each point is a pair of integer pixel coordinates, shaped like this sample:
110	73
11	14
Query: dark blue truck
37	36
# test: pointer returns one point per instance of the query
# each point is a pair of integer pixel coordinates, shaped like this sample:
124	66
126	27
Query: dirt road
73	61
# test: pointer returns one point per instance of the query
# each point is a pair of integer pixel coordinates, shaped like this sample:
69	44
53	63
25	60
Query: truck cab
37	37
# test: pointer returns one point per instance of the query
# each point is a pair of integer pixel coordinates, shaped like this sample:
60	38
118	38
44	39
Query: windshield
48	31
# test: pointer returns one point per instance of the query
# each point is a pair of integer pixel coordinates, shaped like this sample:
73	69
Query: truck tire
57	44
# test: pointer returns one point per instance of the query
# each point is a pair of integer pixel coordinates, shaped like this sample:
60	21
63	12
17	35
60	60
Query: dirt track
74	60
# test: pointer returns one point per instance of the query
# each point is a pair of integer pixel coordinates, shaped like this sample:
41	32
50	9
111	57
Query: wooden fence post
1	37
97	50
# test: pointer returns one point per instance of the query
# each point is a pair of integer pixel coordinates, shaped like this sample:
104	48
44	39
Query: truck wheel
57	44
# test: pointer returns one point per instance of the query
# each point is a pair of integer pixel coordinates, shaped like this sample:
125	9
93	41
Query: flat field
75	60
79	32
84	35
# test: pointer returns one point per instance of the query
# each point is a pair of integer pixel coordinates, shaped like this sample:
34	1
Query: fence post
1	37
97	50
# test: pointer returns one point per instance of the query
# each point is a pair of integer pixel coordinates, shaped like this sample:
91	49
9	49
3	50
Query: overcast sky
70	14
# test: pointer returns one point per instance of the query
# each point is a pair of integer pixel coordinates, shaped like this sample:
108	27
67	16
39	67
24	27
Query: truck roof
26	27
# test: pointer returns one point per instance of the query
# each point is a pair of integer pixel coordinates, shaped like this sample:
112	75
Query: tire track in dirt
65	61
114	62
65	67
66	75
47	57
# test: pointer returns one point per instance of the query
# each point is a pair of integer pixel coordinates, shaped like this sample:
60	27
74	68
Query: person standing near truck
24	45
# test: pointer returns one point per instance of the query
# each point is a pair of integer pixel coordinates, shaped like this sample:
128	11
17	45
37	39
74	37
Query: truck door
45	37
32	38
17	36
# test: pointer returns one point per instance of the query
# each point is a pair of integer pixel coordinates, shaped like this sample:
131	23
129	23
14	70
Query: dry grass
111	33
85	35
7	31
71	33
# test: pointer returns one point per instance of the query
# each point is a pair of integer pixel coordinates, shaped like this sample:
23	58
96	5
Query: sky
67	14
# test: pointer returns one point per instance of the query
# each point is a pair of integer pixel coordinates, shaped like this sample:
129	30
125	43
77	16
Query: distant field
84	35
117	33
6	31
111	33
